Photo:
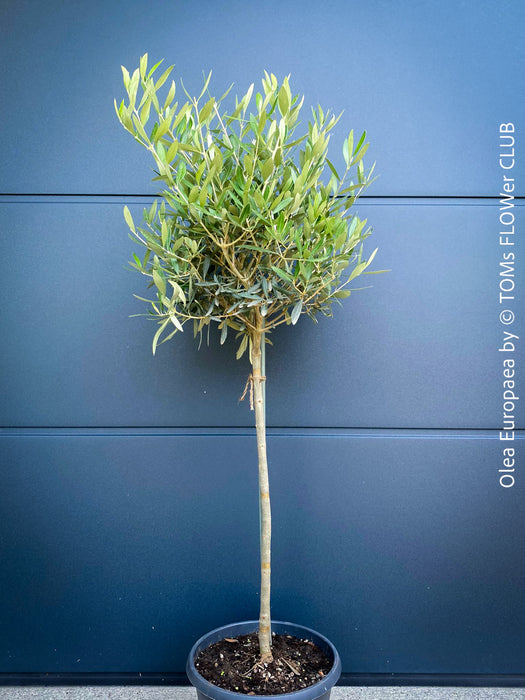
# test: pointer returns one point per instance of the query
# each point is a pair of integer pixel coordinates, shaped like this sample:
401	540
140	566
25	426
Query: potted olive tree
254	228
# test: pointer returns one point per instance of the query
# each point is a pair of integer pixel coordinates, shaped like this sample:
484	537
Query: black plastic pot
319	691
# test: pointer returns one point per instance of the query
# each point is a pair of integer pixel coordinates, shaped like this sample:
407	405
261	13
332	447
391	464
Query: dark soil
233	664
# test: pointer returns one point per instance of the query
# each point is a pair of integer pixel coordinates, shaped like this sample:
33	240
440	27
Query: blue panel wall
430	82
128	512
417	350
124	547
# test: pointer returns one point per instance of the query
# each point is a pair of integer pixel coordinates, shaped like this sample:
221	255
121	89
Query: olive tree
253	229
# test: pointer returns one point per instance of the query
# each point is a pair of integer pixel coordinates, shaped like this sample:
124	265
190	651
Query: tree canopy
251	214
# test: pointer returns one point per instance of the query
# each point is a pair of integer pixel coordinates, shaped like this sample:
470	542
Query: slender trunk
265	636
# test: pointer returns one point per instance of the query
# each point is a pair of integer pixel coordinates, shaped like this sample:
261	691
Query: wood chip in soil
233	664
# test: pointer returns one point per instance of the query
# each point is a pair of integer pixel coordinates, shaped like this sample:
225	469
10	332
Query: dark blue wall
128	509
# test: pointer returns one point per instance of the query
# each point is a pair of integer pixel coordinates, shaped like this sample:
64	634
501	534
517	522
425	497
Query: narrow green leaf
140	129
370	259
246	99
267	169
143	66
200	172
360	143
262	122
154	68
125	77
145	112
352	188
358	269
253	124
164	232
158	334
350	142
162	129
129	219
248	164
346	154
259	199
206	110
182	113
282	274
205	87
217	162
319	146
284	102
160	282
360	154
299	183
296	312
152	211
178	294
172	152
161	152
188	147
170	95
181	171
296	142
176	323
132	89
119	110
242	347
160	82
334	171
282	204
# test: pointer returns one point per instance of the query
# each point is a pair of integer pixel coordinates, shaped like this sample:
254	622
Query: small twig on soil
293	667
258	664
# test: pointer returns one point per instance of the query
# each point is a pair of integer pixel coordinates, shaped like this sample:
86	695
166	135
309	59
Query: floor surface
187	693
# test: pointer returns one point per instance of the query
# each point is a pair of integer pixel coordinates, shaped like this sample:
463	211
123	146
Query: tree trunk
265	635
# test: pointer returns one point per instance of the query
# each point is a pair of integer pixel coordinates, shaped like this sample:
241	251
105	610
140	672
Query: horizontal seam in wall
152	195
353	433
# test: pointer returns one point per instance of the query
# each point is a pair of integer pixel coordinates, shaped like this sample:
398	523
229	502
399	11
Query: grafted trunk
265	635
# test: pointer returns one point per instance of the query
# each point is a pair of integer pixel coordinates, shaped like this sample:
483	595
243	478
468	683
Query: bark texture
265	638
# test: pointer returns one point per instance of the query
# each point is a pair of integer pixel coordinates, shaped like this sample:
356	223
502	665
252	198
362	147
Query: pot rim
310	693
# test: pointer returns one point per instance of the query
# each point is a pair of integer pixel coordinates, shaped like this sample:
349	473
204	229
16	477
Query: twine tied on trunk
249	385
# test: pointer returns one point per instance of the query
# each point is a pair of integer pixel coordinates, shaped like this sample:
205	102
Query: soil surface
233	664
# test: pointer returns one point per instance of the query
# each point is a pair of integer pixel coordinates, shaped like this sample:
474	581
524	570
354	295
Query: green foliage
253	219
